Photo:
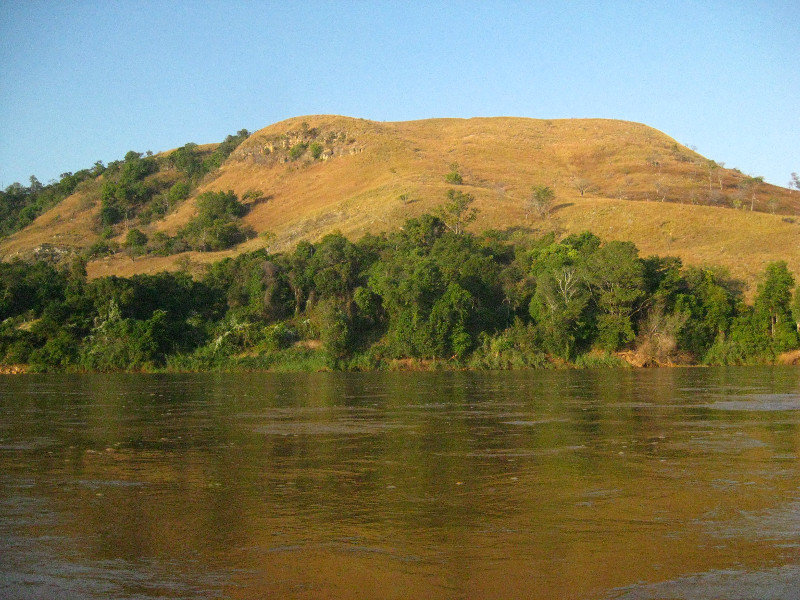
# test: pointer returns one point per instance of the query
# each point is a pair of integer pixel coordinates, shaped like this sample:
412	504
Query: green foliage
102	247
216	225
512	348
178	193
316	150
615	276
20	205
135	242
759	333
454	177
559	308
125	190
335	332
600	360
424	293
773	310
710	300
457	211
297	150
796	308
29	288
279	336
160	244
224	150
188	160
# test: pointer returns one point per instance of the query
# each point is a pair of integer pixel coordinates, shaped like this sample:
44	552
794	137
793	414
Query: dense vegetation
141	189
428	292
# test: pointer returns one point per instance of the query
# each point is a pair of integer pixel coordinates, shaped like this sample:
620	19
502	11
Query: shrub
600	360
454	176
160	244
279	336
297	150
135	241
178	193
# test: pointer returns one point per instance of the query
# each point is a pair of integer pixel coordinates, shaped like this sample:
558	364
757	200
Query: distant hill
307	176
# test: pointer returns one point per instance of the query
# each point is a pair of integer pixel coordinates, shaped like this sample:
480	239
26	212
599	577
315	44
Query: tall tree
457	211
616	277
773	304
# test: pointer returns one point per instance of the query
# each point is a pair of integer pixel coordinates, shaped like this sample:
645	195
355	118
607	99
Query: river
616	484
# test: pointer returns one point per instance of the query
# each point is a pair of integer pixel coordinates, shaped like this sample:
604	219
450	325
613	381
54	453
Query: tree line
429	292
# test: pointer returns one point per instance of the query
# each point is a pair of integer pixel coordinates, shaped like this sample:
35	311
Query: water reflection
567	484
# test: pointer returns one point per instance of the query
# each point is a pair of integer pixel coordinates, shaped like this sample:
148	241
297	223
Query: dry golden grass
68	224
378	174
741	241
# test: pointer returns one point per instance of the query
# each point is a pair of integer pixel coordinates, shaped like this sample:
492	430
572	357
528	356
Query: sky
88	81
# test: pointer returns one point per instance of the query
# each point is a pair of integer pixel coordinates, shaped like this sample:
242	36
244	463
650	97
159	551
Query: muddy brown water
681	483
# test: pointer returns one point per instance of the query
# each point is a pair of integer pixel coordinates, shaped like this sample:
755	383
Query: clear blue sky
87	81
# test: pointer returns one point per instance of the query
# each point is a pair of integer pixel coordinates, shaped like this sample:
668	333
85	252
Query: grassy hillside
308	176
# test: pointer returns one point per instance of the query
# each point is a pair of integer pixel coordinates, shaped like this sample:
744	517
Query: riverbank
305	359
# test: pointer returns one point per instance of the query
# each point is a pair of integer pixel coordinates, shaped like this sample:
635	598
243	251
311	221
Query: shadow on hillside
508	232
558	207
252	202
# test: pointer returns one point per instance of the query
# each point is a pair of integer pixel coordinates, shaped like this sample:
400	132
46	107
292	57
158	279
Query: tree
335	332
187	159
796	308
216	225
773	204
710	299
299	274
748	189
773	304
540	201
615	275
558	308
795	181
447	323
335	269
714	171
135	242
582	185
457	213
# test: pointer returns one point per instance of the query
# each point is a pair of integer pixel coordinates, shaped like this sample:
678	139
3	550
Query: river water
630	484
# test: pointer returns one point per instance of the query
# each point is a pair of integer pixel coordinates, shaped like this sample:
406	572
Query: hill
307	176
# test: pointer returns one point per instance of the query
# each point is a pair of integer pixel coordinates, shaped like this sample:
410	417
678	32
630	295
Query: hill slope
308	176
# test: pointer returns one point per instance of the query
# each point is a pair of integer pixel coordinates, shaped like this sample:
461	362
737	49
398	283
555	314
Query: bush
160	244
136	242
297	150
178	193
215	227
454	177
335	332
512	348
279	336
600	360
101	247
